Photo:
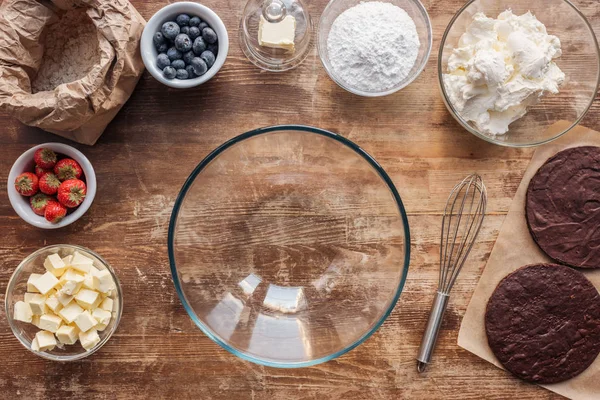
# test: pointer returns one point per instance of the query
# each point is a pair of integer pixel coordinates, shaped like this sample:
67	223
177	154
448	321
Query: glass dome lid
289	246
276	35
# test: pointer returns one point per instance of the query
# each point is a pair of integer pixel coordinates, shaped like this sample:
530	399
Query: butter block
45	340
89	339
53	303
107	304
103	281
68	334
85	321
88	299
81	263
278	35
71	282
22	312
50	322
64	298
37	302
103	317
45	283
55	265
30	287
88	282
70	312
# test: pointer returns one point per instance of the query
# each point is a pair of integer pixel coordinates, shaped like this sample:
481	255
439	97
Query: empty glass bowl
579	61
413	8
17	286
289	246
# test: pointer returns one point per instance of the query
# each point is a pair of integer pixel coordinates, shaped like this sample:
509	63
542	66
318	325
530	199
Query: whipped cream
501	67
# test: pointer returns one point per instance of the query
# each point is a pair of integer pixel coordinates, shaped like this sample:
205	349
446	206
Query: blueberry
200	66
199	46
162	48
181	74
170	30
208	57
188	57
213	48
202	26
178	64
195	21
159	39
183	20
174	54
185	29
209	35
169	72
162	61
194	32
183	43
190	71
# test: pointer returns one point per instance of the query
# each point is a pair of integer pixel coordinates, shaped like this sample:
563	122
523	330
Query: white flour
373	46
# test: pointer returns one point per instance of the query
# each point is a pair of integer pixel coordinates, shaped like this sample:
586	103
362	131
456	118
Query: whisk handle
433	329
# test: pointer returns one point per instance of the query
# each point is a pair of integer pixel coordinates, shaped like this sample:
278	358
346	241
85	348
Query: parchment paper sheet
515	248
79	110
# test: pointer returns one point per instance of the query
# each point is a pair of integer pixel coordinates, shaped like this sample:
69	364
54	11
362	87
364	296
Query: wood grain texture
145	156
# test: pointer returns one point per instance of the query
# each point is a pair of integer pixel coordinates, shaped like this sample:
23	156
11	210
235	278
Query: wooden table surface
141	162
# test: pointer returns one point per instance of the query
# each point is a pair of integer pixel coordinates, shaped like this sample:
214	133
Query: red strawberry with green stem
45	158
67	169
55	211
49	184
39	202
39	171
71	193
27	184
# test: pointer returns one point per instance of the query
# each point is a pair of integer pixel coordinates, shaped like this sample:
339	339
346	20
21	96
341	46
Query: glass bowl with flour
374	48
518	73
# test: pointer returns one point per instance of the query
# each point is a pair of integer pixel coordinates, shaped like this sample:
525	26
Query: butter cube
35	320
55	265
277	35
45	340
28	296
37	302
34	345
45	283
50	322
67	334
88	299
22	312
89	339
64	298
70	312
85	321
103	317
103	281
88	282
107	304
67	260
72	282
81	262
53	304
30	287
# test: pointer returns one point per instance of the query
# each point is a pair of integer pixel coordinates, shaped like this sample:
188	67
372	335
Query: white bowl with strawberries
51	185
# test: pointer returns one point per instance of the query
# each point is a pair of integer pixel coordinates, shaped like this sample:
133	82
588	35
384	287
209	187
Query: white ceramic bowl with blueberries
184	45
25	163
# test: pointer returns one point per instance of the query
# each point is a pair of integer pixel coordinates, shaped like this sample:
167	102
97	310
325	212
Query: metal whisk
463	217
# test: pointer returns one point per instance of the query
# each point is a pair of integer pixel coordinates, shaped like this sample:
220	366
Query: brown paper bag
515	248
78	110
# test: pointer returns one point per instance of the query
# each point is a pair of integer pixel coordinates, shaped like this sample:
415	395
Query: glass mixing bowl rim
12	322
490	139
215	153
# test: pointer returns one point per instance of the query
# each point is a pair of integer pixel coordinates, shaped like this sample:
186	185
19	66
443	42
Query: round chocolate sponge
563	207
543	323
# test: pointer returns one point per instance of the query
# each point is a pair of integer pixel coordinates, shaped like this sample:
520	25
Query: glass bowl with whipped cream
519	73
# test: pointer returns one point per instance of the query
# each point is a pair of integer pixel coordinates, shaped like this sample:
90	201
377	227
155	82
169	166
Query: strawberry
39	202
39	171
71	193
55	211
67	169
27	184
49	184
45	158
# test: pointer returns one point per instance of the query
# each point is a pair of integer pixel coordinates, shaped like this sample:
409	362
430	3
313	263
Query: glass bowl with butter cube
276	35
63	302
